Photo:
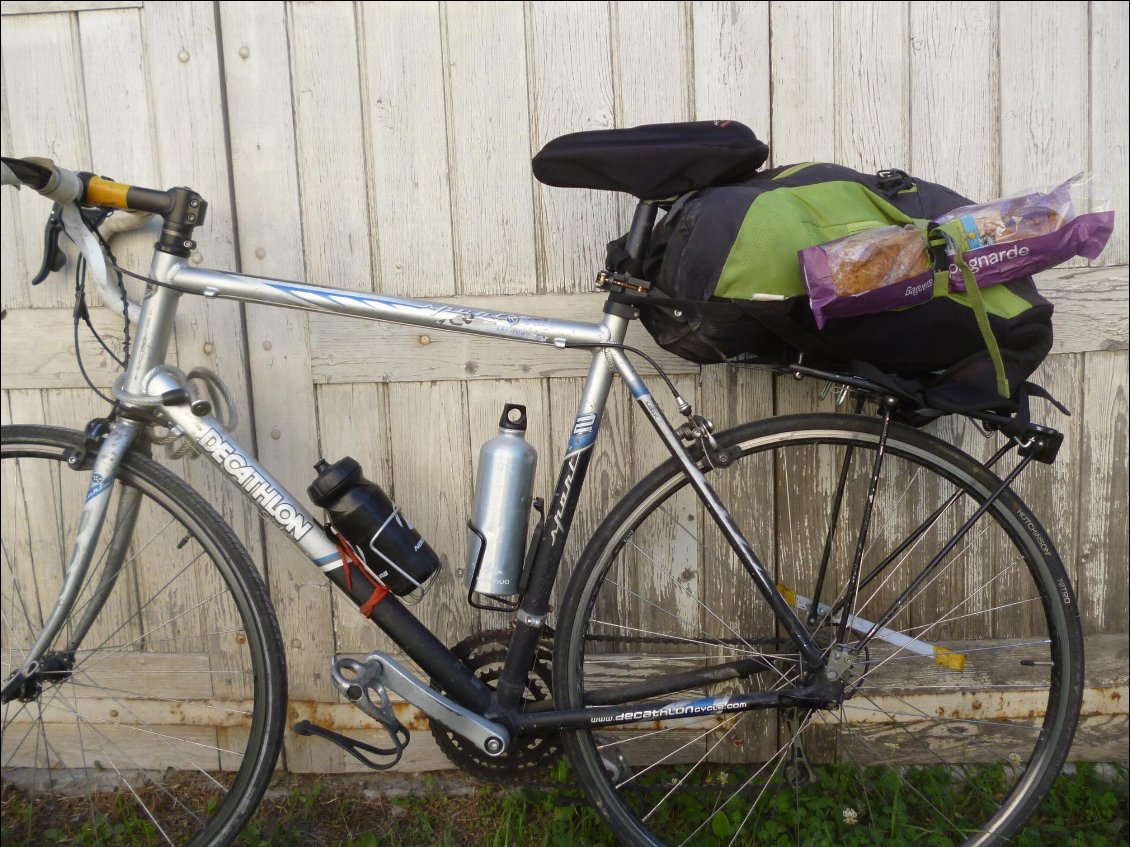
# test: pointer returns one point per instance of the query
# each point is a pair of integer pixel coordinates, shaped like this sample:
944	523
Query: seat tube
532	613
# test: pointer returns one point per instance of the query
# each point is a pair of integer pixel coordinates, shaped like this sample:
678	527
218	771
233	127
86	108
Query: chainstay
709	642
497	773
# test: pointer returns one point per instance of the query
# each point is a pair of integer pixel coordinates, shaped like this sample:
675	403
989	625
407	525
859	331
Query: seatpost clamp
616	281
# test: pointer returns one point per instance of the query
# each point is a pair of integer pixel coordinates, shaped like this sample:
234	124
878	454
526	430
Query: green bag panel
779	223
1000	301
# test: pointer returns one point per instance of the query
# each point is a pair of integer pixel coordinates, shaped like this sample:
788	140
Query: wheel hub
26	685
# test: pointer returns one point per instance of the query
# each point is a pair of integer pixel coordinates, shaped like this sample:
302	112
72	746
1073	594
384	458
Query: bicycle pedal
358	749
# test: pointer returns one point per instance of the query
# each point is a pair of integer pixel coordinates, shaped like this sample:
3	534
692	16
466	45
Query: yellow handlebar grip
106	192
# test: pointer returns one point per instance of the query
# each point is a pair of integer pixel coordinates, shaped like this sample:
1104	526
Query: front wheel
158	712
954	719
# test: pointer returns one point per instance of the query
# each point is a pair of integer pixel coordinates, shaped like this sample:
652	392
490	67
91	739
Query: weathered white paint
17	7
385	147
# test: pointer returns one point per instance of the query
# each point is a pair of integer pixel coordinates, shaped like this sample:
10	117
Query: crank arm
364	677
378	671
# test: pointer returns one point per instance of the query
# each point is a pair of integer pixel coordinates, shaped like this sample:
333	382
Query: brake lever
53	256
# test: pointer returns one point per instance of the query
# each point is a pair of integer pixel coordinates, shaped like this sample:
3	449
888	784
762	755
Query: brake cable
92	219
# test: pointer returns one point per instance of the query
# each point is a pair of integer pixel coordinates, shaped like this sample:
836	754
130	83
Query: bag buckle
892	181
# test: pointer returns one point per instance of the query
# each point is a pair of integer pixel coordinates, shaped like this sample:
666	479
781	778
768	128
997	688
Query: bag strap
954	232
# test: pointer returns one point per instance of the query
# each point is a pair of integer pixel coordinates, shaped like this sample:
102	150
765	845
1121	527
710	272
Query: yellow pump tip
949	659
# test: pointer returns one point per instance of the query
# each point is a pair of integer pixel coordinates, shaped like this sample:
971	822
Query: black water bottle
384	539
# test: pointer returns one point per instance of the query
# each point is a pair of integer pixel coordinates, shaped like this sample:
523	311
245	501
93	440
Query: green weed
1086	808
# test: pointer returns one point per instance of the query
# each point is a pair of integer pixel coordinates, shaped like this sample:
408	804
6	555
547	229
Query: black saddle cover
653	161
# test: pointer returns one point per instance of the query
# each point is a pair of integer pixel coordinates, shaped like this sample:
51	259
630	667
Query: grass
1085	809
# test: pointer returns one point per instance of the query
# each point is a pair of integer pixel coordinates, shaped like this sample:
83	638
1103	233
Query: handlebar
64	186
181	210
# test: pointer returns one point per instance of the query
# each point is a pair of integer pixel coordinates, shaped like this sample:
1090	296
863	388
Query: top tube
382	307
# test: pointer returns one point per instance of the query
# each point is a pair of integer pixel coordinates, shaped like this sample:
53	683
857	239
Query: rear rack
1041	443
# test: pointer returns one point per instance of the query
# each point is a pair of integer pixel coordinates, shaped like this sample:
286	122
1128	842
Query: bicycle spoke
680	639
162	626
93	583
1000	607
157	594
671	577
148	695
733	720
140	802
604	745
779	756
941	620
667	757
165	739
85	764
908	784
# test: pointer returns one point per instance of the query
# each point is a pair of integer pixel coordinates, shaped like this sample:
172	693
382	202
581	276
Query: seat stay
783	611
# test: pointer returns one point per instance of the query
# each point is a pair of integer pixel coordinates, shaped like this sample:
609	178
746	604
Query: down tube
282	509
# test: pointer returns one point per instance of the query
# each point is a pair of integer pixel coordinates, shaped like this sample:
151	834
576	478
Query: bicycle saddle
653	161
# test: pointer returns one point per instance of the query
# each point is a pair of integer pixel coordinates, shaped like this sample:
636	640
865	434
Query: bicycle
789	666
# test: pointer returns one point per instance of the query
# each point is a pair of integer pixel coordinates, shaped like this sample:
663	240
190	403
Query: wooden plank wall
385	147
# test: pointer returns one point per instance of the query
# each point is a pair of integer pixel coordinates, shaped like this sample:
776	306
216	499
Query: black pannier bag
726	258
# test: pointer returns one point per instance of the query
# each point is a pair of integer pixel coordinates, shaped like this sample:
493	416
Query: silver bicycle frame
147	374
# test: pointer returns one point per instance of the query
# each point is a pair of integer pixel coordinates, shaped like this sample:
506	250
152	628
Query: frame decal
684	709
98	484
503	324
225	454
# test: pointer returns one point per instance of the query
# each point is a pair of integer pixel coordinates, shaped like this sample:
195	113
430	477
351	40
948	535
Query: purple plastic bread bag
1008	238
1027	233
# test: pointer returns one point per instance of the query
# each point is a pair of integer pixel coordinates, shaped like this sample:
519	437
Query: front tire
170	720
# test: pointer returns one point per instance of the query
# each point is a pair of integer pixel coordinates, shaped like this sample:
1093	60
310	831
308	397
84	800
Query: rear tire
936	754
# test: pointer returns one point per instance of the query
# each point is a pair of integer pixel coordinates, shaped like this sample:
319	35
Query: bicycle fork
111	454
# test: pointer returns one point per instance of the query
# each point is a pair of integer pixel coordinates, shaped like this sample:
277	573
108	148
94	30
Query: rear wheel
163	723
955	718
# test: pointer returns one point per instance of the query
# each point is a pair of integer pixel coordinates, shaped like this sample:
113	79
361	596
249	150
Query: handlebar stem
186	212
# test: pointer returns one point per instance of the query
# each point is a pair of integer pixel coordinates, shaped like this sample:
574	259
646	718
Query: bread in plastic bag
866	272
1031	232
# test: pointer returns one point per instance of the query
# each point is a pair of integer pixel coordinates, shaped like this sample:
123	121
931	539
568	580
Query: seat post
640	233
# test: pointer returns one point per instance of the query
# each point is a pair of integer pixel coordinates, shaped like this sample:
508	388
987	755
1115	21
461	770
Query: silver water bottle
501	512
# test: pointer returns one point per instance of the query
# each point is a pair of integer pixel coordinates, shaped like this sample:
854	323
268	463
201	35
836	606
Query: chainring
529	758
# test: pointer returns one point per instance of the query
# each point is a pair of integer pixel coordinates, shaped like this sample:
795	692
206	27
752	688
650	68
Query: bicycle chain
709	642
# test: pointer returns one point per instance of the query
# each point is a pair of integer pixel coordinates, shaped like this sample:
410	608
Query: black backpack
936	350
